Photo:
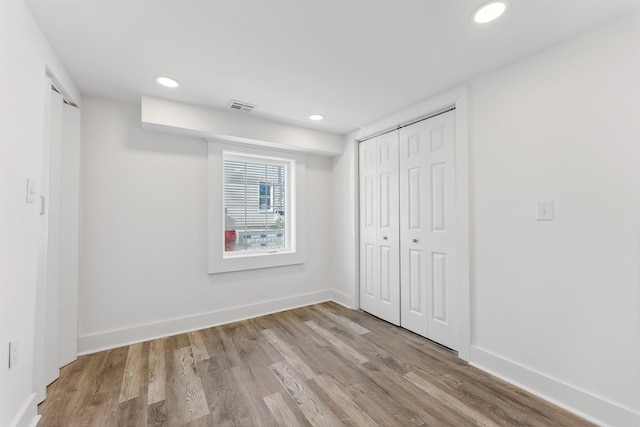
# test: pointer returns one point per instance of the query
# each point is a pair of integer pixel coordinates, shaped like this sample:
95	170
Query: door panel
439	279
415	212
385	208
368	225
427	185
438	197
379	229
386	281
52	325
56	320
388	237
415	282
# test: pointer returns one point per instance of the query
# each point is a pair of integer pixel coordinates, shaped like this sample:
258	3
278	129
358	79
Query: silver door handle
415	240
41	205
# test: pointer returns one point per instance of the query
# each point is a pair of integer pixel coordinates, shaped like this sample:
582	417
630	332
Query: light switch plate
31	190
544	210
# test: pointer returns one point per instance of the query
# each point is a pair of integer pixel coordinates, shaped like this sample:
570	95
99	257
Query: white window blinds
254	202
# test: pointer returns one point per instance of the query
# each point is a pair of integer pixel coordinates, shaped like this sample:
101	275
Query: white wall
561	298
555	305
144	237
24	57
344	190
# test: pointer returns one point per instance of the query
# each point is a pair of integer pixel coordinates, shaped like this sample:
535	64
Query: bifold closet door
379	228
56	322
427	224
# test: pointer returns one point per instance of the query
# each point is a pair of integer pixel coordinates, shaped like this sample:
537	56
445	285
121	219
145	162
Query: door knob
415	240
384	238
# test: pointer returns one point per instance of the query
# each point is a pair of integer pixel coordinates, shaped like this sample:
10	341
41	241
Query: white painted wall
144	237
24	57
561	298
344	190
555	305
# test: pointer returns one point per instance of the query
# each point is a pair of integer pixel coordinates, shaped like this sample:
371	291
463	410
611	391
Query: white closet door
70	235
56	323
369	292
379	228
53	217
427	223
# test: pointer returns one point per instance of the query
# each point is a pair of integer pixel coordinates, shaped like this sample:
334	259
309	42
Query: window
255	199
255	203
266	196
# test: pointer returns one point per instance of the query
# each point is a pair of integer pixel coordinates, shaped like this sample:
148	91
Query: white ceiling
351	60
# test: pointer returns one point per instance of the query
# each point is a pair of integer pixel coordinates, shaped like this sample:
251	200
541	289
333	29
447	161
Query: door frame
457	98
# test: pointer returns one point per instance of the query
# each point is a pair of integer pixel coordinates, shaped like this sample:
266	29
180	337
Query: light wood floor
318	365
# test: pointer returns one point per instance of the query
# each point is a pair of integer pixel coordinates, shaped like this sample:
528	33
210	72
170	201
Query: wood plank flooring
322	365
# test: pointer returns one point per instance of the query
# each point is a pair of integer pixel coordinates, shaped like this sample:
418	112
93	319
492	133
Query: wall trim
112	339
28	414
343	299
580	402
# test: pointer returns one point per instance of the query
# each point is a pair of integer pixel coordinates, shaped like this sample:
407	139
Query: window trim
218	262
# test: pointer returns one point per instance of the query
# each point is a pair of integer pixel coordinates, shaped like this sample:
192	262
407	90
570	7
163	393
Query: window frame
220	261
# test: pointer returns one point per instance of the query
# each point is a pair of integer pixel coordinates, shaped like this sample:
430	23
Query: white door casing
429	298
379	225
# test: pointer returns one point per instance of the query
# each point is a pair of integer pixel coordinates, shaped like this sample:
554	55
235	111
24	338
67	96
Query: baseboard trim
112	339
28	414
343	299
580	402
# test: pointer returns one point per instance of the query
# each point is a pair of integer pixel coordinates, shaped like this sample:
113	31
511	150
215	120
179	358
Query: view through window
254	204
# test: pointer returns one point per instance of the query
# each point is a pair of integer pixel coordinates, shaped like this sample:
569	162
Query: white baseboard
582	403
342	299
28	414
112	339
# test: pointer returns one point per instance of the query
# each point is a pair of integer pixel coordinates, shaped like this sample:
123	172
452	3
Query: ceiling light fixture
316	117
167	81
489	11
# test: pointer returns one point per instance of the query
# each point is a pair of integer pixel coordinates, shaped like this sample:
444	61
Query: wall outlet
13	352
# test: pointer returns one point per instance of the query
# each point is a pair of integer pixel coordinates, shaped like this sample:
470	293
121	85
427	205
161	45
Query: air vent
245	107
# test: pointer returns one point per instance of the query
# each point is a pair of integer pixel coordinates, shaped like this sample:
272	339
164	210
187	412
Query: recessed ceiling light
316	117
167	81
489	11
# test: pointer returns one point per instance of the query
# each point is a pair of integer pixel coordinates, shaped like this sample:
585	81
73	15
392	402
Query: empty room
320	212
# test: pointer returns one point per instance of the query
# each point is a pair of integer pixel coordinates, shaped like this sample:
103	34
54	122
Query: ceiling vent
245	107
